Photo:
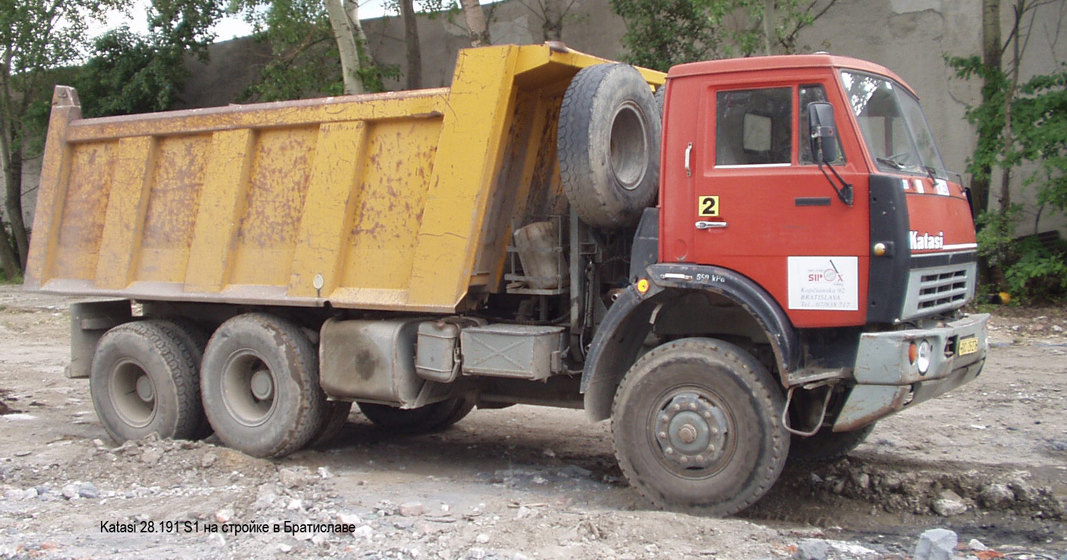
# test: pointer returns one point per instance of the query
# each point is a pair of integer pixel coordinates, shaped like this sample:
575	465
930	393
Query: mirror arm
845	193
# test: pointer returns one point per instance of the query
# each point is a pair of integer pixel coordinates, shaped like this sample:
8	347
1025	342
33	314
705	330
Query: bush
1029	270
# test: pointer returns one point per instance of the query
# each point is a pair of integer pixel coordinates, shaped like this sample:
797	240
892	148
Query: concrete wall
911	37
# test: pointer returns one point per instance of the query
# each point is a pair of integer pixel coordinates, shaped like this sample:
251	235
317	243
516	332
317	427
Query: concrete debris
949	504
997	495
812	549
936	544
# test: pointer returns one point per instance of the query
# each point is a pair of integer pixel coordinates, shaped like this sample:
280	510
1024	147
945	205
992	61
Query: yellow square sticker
708	206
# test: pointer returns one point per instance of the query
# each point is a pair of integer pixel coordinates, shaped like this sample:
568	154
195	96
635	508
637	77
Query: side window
811	94
753	126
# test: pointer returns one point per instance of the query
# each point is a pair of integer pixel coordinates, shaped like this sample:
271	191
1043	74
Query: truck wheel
425	419
195	339
827	445
260	385
608	145
336	417
697	424
661	98
143	379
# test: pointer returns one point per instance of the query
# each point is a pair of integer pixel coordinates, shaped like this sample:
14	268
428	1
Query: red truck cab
807	232
742	189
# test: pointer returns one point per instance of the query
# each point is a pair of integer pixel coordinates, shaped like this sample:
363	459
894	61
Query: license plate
967	346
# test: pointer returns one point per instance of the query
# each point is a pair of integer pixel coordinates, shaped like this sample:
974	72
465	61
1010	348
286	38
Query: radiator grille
934	290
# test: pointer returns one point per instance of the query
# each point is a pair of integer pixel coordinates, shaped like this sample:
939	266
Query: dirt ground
988	461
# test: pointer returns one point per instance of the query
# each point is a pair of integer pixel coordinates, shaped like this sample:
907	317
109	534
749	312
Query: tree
551	13
1021	125
413	53
132	73
661	34
477	25
1003	140
317	48
36	37
351	43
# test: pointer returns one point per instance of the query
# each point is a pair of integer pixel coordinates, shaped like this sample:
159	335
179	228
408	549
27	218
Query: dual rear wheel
255	383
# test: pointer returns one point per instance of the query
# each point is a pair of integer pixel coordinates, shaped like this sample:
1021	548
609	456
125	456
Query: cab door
757	203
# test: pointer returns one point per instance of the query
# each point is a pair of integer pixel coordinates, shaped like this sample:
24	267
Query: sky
229	28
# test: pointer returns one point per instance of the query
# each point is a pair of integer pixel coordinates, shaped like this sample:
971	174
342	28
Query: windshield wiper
891	163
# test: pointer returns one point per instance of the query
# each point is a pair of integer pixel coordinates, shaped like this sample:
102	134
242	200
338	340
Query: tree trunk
13	207
1019	10
344	20
991	59
411	43
11	162
552	26
476	24
770	32
8	261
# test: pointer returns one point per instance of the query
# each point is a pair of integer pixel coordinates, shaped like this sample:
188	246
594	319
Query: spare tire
609	134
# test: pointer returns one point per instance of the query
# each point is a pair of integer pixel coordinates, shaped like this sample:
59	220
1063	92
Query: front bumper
887	381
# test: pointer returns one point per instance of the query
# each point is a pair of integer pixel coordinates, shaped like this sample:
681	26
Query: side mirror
822	132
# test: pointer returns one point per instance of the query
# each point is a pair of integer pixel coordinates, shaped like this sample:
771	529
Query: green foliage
36	38
304	61
660	34
1039	275
996	236
1038	127
1029	270
304	57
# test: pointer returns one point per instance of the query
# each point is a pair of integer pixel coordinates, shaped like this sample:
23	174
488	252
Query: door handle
688	159
710	225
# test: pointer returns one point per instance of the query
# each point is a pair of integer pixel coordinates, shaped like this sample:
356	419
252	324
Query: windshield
892	124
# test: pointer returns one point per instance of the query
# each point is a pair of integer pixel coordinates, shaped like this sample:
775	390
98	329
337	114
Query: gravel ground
986	464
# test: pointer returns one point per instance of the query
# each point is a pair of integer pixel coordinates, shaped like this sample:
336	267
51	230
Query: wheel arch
739	306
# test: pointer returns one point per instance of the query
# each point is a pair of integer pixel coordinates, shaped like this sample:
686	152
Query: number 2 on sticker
708	206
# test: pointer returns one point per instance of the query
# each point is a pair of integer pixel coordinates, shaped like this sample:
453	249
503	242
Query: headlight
922	359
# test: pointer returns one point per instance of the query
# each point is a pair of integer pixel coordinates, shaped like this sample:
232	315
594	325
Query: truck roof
782	62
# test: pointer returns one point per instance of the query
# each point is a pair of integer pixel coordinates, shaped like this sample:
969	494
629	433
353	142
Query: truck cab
805	220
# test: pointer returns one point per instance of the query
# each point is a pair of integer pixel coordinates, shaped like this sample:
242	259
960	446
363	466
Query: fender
617	342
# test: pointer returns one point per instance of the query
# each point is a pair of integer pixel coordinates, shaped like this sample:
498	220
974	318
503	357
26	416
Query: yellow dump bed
397	201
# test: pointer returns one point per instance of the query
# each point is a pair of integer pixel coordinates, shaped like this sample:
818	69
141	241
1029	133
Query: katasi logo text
919	242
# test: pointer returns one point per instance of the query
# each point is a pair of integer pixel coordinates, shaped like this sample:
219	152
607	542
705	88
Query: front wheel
697	424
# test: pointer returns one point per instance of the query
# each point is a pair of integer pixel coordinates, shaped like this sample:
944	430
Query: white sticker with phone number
824	283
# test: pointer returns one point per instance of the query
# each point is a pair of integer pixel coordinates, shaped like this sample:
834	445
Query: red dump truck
756	263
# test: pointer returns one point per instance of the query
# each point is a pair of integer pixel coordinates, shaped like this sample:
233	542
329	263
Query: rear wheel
143	380
827	445
429	418
260	386
697	424
336	417
195	339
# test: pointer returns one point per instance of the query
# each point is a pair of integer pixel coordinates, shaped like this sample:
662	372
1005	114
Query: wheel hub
145	391
691	431
262	385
